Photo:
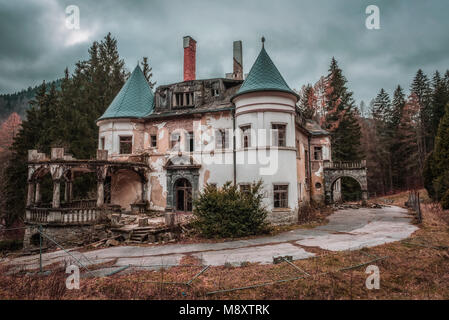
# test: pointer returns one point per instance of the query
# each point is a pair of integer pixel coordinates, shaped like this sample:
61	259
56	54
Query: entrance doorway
183	192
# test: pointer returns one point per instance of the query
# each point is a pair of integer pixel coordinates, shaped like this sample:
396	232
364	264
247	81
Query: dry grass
416	268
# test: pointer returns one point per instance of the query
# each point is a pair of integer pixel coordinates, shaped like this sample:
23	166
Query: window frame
282	202
130	143
276	136
320	153
153	145
246	133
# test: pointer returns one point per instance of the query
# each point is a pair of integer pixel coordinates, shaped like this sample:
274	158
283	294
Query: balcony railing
345	165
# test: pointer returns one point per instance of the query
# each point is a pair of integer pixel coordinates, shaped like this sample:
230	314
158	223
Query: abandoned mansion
158	150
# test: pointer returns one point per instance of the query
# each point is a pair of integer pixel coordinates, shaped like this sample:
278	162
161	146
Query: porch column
101	177
37	198
100	193
56	193
30	194
68	191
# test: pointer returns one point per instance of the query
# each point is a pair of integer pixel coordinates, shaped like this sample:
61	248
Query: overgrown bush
228	212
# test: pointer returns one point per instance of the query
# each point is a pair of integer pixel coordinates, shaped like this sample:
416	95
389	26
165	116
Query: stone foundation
66	236
278	218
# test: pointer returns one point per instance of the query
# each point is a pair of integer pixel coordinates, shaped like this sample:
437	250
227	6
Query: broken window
318	153
126	144
153	141
246	136
281	195
175	138
221	139
279	134
215	93
183	99
102	143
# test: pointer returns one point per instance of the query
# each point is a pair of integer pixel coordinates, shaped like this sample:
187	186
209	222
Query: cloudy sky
302	36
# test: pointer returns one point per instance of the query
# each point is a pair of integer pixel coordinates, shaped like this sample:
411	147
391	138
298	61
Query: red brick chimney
189	58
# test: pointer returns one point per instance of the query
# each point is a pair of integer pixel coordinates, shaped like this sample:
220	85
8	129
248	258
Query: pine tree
307	102
340	119
398	104
421	90
439	99
410	143
66	118
383	138
147	71
439	162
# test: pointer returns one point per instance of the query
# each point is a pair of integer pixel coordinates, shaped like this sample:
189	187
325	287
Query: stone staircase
139	235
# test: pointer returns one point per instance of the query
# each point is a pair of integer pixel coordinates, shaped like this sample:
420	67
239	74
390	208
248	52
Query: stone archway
337	170
181	167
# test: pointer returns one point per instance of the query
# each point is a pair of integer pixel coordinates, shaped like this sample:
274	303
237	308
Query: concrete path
348	229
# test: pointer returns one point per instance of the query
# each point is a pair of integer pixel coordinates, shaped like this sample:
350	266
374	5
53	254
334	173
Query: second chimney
189	58
238	60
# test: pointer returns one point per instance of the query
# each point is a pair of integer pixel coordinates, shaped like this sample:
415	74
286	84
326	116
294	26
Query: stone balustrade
344	164
66	216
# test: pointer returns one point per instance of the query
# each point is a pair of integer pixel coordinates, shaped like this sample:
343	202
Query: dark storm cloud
302	36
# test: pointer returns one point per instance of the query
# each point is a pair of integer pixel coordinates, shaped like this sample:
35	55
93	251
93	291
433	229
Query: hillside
19	101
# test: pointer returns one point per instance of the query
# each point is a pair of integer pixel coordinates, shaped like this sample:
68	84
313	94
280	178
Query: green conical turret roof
264	76
134	100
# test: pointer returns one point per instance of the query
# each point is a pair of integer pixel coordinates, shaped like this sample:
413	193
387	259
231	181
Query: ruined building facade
158	150
210	131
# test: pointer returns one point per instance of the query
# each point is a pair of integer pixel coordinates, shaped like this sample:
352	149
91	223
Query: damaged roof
264	76
134	100
314	128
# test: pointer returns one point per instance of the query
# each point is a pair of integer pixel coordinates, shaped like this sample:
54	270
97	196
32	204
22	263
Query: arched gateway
336	170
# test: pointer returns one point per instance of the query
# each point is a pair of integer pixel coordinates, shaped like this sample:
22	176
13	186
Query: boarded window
318	153
126	144
279	135
153	141
221	139
246	136
281	196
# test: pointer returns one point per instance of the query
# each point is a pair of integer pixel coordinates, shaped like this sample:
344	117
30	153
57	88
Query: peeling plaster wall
317	166
217	165
301	174
126	188
111	130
